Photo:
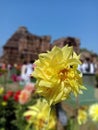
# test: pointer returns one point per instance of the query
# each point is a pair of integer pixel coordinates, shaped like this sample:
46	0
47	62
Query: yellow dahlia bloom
39	116
57	74
93	112
82	116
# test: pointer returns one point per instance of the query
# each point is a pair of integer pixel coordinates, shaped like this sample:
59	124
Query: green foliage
2	71
20	121
7	115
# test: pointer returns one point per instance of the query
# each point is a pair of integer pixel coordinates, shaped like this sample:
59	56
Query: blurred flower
5	98
18	78
3	103
93	112
15	65
82	116
38	115
1	90
30	87
24	96
14	77
16	95
8	95
57	74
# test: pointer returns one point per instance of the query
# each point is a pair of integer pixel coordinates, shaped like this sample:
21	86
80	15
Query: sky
57	18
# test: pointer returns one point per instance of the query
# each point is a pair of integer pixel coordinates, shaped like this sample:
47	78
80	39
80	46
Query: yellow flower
3	103
93	112
39	114
53	121
1	90
57	74
82	116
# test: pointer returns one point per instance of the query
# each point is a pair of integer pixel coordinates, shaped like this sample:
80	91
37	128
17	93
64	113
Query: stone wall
23	45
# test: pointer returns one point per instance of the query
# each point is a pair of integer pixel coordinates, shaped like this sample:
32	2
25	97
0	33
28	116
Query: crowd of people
22	72
26	69
87	66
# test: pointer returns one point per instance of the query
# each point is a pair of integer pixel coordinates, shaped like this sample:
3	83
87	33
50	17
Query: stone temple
25	46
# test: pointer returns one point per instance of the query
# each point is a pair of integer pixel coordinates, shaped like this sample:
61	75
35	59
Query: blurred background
28	28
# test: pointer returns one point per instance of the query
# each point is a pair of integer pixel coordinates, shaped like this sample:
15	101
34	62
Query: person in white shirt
80	66
23	72
29	69
88	66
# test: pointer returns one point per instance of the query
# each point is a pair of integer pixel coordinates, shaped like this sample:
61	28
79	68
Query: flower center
63	74
41	123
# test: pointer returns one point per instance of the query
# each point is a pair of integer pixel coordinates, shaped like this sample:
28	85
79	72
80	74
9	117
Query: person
92	68
29	70
86	66
9	70
24	77
3	66
80	66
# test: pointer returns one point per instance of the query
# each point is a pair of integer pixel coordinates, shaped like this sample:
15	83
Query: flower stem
28	126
